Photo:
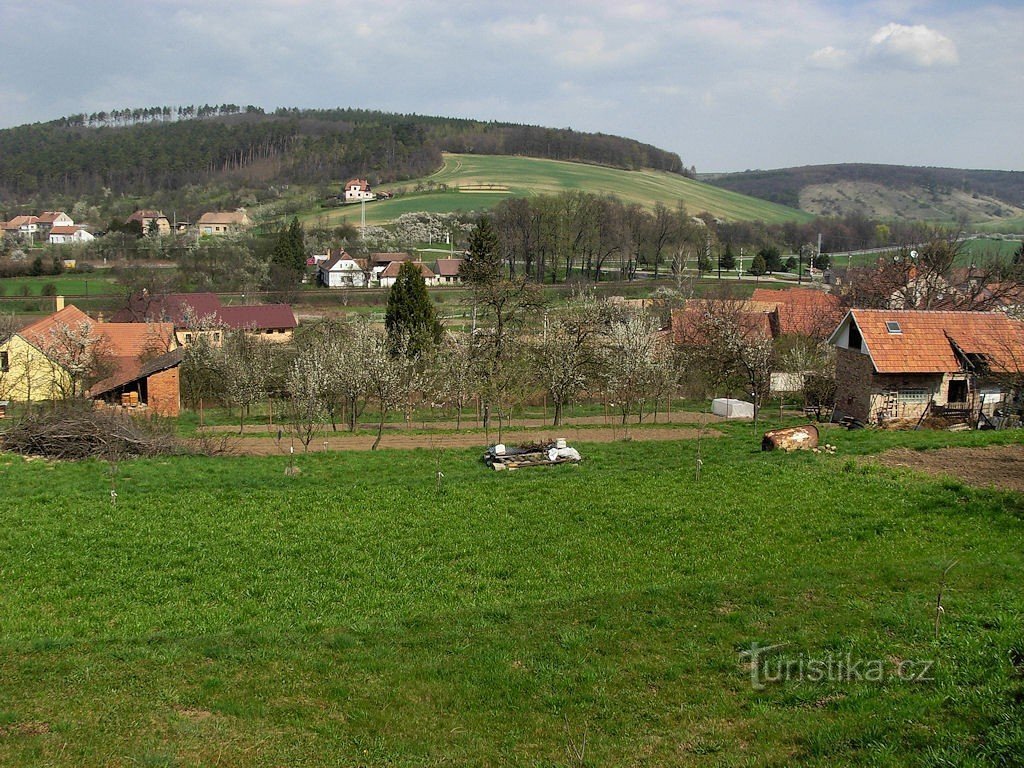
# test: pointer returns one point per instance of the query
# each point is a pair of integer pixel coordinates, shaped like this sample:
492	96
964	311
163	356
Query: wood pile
499	457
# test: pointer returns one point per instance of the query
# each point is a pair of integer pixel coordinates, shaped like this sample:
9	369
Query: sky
728	84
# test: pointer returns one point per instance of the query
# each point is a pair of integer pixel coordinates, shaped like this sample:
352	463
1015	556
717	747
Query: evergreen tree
757	266
772	258
410	313
289	255
482	263
727	260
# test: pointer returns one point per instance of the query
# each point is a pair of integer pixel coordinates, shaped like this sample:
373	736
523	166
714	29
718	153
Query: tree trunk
380	431
558	413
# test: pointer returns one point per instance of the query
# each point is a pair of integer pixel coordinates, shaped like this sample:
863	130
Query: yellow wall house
27	374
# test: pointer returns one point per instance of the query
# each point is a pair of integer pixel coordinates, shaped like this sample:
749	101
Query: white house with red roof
62	235
339	270
357	190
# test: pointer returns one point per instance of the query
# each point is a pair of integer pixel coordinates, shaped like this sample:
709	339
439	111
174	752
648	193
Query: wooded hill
141	151
886	191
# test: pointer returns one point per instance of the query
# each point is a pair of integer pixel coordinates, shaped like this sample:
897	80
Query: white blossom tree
631	355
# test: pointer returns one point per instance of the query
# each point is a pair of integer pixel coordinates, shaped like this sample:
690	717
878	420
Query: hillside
888	191
141	152
478	182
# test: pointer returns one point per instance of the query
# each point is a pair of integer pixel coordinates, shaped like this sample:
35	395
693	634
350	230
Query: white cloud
917	46
829	58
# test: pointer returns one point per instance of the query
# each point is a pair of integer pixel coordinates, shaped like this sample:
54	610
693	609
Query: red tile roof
169	308
928	341
395	266
688	323
802	311
126	344
258	317
449	267
62	230
146	214
38	333
50	216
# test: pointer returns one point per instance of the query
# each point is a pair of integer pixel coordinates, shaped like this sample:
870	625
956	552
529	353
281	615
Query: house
357	190
388	276
381	261
218	223
49	219
904	363
340	270
37	363
22	227
191	314
149	218
807	312
61	235
448	271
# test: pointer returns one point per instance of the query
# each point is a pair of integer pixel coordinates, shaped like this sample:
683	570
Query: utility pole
739	265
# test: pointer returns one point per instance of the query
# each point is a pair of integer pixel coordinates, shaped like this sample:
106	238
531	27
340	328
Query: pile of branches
80	432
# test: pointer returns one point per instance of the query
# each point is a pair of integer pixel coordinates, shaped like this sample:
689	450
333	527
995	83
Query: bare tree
452	377
564	355
81	353
631	355
385	375
307	385
243	365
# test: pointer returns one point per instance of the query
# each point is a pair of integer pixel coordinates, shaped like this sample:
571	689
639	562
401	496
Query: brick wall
164	392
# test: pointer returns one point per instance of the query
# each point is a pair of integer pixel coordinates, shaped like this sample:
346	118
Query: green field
66	285
222	613
485	180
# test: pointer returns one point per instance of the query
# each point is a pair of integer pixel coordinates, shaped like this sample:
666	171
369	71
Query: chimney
60	303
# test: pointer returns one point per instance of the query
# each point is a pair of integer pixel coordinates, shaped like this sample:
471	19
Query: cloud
829	58
916	46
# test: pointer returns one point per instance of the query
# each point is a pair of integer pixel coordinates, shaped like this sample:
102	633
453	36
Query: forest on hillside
146	150
783	185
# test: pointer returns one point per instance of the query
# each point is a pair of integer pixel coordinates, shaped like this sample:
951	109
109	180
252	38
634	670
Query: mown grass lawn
222	613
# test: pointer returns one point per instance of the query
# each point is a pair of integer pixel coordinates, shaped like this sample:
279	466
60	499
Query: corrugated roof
925	341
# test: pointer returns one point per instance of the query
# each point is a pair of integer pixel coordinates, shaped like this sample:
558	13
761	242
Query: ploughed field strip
997	466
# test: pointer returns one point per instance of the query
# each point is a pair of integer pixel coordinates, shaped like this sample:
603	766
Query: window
913	395
893	326
5	363
188	338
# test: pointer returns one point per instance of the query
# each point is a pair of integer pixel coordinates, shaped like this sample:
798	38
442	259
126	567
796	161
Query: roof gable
928	341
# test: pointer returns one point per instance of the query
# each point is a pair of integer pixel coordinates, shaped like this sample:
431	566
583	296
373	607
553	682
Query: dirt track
340	441
1001	466
613	422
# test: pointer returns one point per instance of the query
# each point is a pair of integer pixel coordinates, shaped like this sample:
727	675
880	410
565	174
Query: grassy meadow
483	181
222	613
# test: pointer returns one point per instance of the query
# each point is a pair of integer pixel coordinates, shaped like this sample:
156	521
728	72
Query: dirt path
612	422
1001	466
268	446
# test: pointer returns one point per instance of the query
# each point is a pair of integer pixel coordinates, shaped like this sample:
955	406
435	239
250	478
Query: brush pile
80	432
500	457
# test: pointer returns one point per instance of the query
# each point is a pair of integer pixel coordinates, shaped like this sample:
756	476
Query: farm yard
368	612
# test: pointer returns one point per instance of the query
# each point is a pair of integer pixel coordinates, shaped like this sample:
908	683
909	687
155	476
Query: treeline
136	115
581	235
783	185
147	150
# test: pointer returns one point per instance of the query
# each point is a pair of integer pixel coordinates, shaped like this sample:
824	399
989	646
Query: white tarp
731	408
